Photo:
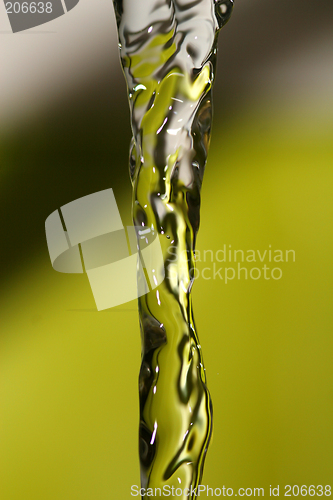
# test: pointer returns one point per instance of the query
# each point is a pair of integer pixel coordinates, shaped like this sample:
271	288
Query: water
168	53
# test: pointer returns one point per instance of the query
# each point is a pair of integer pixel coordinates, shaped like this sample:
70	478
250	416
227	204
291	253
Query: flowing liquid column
168	55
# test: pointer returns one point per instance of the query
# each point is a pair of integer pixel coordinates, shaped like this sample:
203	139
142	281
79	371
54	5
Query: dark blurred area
75	150
263	35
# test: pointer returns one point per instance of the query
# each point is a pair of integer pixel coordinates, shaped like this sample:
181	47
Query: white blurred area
39	65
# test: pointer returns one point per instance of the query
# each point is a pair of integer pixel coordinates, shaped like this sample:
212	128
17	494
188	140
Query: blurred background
68	374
